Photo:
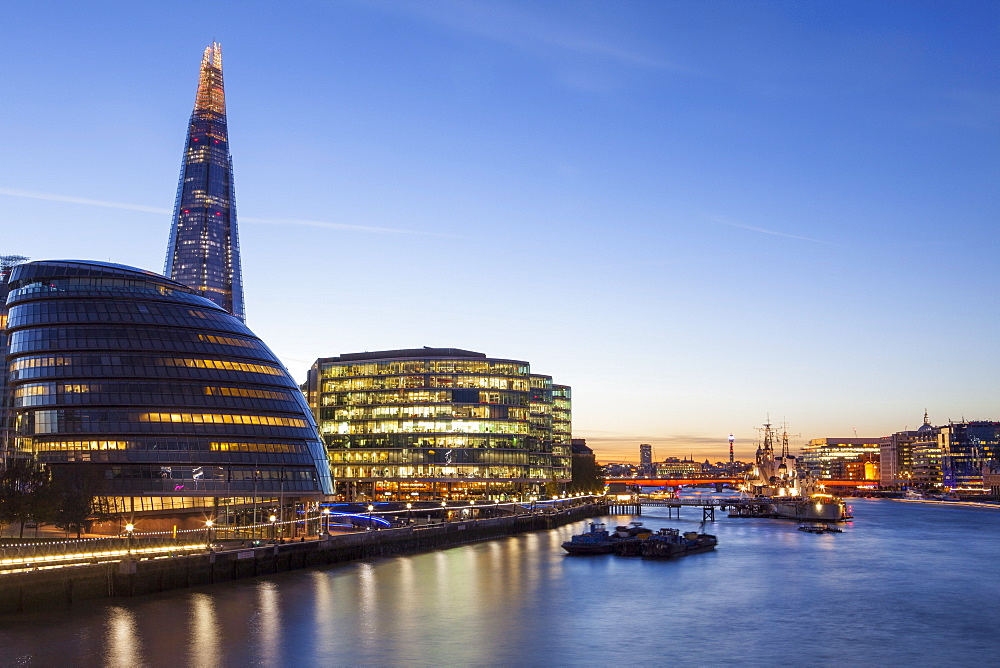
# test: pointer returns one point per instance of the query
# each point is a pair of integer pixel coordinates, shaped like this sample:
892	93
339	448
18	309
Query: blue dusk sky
698	214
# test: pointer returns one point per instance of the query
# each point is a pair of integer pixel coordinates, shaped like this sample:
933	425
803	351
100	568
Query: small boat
597	540
670	543
630	539
819	528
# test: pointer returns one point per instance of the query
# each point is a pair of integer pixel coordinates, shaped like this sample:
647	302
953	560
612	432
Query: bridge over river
720	482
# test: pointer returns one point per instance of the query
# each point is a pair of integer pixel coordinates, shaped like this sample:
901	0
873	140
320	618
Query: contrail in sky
52	197
744	226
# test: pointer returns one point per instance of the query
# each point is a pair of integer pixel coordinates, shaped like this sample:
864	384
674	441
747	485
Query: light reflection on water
903	585
204	631
124	646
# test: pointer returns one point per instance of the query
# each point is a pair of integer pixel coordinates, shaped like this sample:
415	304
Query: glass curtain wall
129	381
433	423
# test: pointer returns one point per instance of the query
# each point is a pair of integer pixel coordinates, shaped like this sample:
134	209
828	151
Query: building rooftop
53	269
416	353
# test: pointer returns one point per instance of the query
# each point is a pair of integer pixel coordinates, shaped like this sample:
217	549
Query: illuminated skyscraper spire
204	252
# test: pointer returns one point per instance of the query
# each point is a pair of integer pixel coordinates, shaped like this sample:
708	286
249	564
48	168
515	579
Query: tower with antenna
732	464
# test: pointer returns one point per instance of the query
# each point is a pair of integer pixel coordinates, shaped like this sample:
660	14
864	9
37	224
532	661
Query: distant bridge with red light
686	482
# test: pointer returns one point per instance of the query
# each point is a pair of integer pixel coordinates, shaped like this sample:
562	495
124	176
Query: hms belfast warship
781	490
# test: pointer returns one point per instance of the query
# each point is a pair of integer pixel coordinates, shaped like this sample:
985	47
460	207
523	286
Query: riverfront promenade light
157	397
438	422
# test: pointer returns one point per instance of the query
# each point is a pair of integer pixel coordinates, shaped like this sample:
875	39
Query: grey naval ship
785	491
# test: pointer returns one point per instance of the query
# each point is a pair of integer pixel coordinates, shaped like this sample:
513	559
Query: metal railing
137	544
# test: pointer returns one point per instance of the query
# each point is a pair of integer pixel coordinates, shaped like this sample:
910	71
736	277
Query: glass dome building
156	396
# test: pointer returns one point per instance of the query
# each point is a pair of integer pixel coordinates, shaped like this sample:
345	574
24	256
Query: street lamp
208	530
370	509
444	514
409	515
326	521
128	537
274	528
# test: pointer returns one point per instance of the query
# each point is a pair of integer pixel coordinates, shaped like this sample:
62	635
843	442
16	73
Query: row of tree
587	478
28	494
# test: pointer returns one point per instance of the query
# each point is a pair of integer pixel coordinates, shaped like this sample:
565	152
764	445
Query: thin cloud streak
752	228
52	197
526	31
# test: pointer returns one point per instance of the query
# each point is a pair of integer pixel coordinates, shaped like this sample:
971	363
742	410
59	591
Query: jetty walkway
737	507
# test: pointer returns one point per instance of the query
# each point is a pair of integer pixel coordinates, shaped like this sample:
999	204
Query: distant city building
969	448
956	455
646	458
826	458
616	470
925	457
896	459
204	252
991	480
678	468
867	469
718	469
7	263
586	476
439	422
896	456
154	397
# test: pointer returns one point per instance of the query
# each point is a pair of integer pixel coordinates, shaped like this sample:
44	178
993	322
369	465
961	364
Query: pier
708	507
735	507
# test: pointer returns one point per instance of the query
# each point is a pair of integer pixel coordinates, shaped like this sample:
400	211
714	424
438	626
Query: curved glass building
434	423
155	395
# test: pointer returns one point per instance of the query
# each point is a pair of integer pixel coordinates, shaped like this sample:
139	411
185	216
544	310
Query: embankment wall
43	589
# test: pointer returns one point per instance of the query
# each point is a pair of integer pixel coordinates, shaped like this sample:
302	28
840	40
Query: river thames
907	583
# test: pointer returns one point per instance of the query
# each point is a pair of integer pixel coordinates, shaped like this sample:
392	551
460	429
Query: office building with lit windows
204	252
646	458
825	458
157	397
562	431
439	422
956	456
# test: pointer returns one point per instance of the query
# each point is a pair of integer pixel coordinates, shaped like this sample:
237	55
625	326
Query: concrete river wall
27	591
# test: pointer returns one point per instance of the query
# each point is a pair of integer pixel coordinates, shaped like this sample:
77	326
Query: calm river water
907	583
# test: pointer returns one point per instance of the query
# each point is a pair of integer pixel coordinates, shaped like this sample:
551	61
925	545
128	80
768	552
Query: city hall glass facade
148	391
438	422
7	450
203	252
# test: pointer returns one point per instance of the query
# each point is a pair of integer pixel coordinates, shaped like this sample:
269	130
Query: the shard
203	252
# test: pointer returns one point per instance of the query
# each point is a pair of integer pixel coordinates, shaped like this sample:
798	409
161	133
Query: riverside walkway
126	570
